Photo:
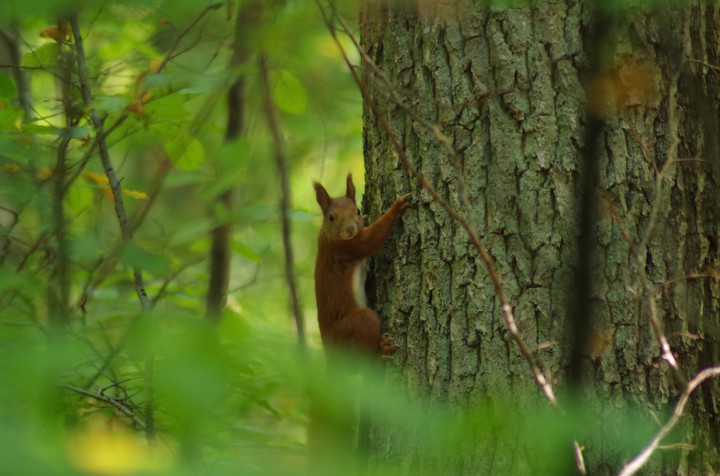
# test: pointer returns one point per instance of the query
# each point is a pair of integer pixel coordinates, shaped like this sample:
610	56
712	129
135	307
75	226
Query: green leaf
110	103
79	132
41	57
246	252
153	263
186	153
7	87
288	92
9	117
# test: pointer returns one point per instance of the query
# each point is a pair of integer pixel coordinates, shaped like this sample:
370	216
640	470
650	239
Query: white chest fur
358	284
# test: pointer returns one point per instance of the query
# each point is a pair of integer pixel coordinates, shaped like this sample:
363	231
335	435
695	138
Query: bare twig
171	51
704	64
639	461
282	168
59	285
641	252
579	460
111	401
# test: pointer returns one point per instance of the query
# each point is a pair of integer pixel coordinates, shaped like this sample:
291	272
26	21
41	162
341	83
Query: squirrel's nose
350	230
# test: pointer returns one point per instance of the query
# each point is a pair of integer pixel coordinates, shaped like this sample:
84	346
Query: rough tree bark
510	88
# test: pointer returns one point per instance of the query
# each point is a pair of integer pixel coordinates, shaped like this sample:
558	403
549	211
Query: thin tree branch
20	76
111	401
80	166
169	56
59	285
642	458
98	125
282	168
704	64
220	256
642	248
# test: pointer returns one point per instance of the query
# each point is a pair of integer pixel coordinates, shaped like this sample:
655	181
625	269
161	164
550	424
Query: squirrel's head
341	217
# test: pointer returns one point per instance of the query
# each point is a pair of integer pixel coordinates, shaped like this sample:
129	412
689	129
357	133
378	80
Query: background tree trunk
508	86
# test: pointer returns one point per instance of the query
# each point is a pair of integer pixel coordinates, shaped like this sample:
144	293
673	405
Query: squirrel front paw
403	202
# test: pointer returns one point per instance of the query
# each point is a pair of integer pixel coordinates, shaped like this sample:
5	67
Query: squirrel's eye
331	217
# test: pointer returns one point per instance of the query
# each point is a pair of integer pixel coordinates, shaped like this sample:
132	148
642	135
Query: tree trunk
510	88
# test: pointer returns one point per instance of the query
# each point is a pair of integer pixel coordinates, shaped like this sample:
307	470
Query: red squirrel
344	242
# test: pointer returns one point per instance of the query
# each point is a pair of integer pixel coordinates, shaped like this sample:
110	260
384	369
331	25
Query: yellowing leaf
97	179
55	32
136	108
12	168
102	182
135	194
288	92
44	173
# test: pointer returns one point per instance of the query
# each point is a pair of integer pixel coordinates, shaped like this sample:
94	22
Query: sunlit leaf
186	153
36	128
41	57
288	92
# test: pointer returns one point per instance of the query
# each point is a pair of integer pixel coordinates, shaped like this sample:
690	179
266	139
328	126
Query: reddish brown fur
343	244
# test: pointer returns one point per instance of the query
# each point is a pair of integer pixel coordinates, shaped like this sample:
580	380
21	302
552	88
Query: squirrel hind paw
387	348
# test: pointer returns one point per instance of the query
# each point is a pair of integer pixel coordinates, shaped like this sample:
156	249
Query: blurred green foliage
229	397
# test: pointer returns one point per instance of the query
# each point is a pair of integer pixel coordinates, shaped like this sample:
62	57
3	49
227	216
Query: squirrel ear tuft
323	198
350	193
